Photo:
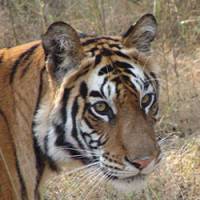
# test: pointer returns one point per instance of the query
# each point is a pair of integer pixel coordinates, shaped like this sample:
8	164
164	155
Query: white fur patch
134	186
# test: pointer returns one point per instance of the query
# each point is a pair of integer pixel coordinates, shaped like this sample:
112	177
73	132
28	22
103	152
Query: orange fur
17	104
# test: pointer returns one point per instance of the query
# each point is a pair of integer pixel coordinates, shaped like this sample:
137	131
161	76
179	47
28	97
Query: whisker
95	170
84	180
163	140
95	185
80	150
85	177
67	156
87	167
75	187
81	168
120	172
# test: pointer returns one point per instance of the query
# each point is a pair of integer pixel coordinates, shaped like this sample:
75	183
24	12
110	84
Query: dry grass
179	176
179	51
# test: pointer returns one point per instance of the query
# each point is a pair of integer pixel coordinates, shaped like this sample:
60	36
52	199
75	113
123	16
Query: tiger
80	100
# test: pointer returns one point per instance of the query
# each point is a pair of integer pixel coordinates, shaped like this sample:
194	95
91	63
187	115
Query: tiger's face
105	102
118	122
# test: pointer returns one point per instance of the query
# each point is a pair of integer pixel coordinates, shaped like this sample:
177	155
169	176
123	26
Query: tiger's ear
62	49
141	34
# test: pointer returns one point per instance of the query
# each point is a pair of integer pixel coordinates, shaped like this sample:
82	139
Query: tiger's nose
140	163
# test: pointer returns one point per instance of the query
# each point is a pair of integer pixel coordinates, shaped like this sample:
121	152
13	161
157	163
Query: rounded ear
141	34
62	48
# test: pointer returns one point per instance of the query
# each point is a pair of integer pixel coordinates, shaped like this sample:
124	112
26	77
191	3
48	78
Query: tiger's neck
22	84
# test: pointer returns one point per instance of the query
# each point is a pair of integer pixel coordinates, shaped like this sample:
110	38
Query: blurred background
177	48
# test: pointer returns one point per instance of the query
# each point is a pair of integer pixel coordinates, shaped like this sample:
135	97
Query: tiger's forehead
109	66
114	65
99	45
115	74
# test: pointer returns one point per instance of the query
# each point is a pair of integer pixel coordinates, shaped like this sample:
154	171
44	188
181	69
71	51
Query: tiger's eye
101	107
145	99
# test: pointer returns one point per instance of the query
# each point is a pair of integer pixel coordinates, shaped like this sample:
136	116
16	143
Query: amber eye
146	100
101	107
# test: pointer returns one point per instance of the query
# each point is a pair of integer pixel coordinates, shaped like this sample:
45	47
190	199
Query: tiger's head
102	102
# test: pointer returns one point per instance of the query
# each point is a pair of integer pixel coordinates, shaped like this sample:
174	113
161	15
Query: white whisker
85	179
99	180
80	150
81	168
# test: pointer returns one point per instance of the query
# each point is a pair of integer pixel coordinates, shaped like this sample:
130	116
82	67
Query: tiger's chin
132	184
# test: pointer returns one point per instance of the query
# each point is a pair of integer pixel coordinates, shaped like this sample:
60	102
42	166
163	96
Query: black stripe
93	40
95	93
130	30
60	128
1	58
64	104
123	64
142	84
86	137
126	79
26	68
97	59
60	131
109	90
119	53
71	149
105	70
155	79
129	72
109	38
106	52
94	115
74	113
102	86
88	123
21	180
24	195
148	80
5	119
23	57
114	45
117	80
83	90
68	147
92	50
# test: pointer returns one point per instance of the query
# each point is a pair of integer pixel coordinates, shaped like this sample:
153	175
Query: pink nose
140	164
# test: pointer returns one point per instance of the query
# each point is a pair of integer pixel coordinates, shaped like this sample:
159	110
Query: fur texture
70	99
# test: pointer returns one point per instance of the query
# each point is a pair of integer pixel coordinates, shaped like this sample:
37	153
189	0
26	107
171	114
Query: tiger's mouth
125	181
124	177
